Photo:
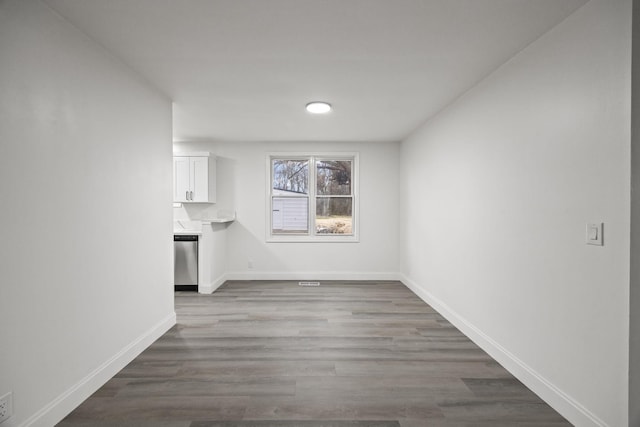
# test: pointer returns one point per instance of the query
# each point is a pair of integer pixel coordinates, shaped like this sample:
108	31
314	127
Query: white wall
241	186
496	192
85	179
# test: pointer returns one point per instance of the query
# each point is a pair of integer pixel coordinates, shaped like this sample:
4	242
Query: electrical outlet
250	264
5	407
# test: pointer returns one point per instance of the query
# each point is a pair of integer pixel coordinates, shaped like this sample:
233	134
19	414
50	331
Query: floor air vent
309	283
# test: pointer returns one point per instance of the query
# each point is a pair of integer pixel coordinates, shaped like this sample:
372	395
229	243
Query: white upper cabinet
181	186
194	178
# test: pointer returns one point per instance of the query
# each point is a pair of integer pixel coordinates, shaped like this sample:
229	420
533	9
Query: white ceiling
244	69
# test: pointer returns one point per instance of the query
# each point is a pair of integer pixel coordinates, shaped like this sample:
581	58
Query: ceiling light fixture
318	107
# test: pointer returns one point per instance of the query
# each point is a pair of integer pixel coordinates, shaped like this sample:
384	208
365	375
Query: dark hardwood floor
345	354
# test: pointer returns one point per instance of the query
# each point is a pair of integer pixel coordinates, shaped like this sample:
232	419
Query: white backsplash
195	212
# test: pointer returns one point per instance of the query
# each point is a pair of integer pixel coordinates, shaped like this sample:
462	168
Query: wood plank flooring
345	354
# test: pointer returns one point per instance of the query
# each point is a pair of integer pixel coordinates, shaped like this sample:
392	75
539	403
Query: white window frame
312	236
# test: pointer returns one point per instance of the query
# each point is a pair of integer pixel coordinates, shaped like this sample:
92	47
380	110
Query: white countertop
185	232
222	219
194	227
185	227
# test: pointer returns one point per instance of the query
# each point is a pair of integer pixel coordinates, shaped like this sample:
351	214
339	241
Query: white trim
311	236
319	238
311	275
213	286
568	407
62	405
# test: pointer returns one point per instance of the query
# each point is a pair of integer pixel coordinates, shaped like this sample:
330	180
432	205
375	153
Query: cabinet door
199	167
181	178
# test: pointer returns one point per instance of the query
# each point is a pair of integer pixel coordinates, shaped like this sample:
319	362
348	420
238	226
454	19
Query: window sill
312	239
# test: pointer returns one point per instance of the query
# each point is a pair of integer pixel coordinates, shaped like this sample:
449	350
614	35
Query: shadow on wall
245	247
226	183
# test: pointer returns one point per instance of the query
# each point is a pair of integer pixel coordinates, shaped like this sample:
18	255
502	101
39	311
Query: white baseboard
61	406
210	288
270	275
306	275
556	398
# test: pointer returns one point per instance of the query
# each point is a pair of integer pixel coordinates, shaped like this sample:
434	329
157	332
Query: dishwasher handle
185	238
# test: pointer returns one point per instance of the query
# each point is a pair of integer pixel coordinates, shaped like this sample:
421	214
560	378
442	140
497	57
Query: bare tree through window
312	196
334	198
291	175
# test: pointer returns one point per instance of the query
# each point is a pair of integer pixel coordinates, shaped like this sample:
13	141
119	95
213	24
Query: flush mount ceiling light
318	107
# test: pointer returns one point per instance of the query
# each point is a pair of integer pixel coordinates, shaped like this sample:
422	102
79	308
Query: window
312	197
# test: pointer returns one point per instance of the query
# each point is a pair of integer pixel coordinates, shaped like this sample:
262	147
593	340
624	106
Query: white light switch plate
594	233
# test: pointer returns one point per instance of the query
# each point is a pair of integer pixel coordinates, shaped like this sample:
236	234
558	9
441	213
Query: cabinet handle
186	195
191	195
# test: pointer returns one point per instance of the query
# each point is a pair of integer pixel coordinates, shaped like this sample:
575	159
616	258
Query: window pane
289	215
334	215
290	177
333	177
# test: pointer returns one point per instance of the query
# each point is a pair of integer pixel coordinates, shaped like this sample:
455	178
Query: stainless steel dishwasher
185	253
